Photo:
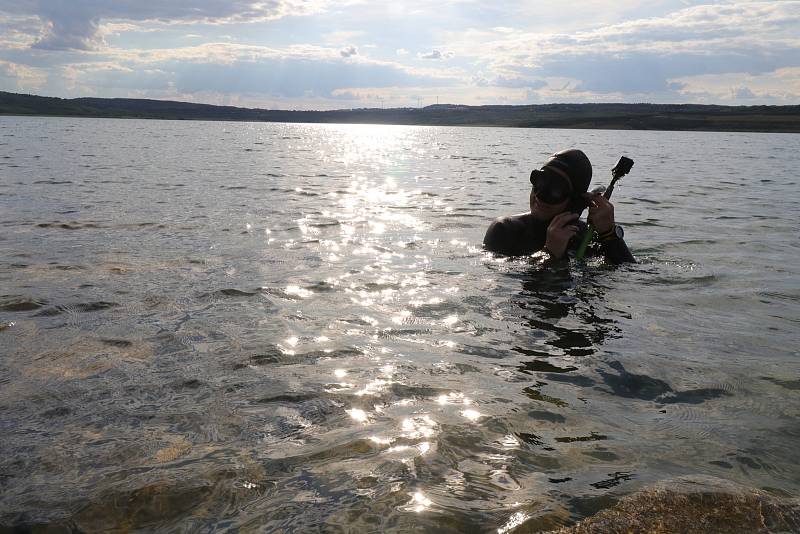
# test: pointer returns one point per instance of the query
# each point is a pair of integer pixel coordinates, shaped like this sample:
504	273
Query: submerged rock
696	505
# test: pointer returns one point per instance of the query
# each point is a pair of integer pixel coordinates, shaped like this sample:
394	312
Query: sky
328	54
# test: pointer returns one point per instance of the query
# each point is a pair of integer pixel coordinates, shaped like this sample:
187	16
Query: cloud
779	87
435	54
479	80
640	56
21	77
75	24
512	83
519	83
742	93
18	32
290	77
348	51
632	50
300	72
420	96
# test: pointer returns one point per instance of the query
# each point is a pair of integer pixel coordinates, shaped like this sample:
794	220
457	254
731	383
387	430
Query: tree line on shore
689	117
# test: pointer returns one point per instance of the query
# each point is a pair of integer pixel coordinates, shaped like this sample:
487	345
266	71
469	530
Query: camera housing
623	166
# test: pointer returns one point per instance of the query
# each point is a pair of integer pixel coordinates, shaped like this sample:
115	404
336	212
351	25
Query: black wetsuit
521	239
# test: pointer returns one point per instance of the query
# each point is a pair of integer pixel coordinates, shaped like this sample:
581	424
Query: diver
558	196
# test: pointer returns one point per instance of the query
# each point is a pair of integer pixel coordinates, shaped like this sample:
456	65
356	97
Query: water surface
288	327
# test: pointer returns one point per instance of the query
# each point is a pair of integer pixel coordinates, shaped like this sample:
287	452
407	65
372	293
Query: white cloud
480	80
257	74
19	32
779	87
420	96
640	56
742	93
703	30
348	51
21	78
435	54
75	24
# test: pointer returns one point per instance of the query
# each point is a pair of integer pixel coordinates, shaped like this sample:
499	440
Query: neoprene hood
576	165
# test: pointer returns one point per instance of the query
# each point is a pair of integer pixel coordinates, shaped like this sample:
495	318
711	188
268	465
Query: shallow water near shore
293	328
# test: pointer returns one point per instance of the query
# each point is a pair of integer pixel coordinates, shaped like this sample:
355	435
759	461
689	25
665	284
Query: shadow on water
561	310
564	322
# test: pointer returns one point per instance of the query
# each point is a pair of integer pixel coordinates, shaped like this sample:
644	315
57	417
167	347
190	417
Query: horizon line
440	105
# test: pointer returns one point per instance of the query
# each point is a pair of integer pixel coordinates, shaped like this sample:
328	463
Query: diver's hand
601	212
559	232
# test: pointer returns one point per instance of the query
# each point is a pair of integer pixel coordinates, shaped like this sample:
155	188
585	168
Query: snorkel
622	168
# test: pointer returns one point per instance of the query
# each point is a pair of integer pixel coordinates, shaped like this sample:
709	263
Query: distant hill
606	116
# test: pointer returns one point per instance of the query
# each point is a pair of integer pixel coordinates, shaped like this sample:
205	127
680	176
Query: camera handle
622	168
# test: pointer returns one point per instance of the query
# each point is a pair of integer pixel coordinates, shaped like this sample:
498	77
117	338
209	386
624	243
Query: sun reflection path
358	415
513	522
419	503
389	298
377	208
364	144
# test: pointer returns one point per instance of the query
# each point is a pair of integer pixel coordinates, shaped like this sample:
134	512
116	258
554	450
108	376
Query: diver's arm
616	250
601	216
613	248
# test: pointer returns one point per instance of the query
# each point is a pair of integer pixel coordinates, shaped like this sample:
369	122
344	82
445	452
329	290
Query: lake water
293	328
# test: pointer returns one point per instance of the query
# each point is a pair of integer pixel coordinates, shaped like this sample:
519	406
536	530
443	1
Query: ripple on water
276	355
20	303
230	292
85	357
80	307
69	225
787	384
